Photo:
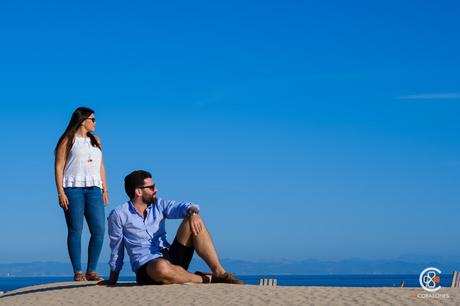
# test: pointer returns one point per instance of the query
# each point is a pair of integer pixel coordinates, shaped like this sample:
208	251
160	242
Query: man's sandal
79	277
226	278
92	276
205	276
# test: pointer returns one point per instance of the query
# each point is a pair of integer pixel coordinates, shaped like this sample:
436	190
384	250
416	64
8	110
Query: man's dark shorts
177	255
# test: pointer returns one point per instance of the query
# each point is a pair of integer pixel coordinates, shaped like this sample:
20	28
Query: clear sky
305	130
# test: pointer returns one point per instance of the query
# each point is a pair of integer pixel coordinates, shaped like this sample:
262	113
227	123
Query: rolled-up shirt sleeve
177	210
116	241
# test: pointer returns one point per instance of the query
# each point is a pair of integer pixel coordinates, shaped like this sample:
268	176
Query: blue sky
303	129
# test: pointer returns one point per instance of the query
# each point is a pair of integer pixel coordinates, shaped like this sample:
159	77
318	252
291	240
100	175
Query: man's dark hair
134	180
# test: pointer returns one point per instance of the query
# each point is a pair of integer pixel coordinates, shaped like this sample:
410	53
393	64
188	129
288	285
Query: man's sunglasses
151	187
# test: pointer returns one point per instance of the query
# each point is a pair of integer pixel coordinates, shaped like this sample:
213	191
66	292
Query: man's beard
149	199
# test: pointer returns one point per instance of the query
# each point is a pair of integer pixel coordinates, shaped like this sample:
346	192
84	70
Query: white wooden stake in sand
455	280
268	282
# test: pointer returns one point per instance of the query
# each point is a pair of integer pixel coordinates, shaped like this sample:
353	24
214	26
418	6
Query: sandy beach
72	293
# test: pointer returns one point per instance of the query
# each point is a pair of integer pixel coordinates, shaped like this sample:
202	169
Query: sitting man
139	226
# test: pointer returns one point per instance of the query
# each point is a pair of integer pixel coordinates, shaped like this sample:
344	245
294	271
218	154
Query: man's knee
188	219
160	270
186	225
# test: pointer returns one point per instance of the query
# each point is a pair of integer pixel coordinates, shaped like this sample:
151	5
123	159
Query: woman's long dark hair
78	116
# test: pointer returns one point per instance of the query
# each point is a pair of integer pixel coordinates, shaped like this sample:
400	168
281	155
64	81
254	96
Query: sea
367	280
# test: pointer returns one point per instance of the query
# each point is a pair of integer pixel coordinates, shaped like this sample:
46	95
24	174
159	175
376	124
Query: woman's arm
105	189
105	195
59	164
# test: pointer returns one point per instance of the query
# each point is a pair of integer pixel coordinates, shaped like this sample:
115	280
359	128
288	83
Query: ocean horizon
356	280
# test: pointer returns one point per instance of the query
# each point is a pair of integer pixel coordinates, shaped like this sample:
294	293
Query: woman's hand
63	201
105	198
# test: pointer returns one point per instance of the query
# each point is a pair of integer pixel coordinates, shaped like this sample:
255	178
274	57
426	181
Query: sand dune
72	293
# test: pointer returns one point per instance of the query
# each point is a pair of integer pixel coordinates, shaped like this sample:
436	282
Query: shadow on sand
61	287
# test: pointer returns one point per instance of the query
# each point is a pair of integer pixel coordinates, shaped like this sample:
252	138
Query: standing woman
82	188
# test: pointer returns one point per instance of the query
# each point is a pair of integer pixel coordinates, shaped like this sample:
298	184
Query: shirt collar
133	210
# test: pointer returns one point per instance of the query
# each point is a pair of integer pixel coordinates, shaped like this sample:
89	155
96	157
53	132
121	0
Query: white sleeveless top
83	166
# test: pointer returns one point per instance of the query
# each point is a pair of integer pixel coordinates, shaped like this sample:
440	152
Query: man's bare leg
163	271
202	244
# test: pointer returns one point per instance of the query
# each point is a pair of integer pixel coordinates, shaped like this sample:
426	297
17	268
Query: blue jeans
87	202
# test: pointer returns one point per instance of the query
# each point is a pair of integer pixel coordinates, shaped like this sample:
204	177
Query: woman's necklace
90	159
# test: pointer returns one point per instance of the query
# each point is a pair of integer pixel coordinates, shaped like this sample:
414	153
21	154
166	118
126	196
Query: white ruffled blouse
83	166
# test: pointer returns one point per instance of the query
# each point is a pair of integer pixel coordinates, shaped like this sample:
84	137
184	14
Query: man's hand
105	283
111	281
196	224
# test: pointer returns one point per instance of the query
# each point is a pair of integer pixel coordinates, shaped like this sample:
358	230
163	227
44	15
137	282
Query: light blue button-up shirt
142	238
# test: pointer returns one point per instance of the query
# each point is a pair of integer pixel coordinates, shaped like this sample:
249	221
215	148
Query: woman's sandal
79	277
92	276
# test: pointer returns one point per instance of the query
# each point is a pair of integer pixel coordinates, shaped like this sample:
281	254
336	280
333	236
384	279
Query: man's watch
192	211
